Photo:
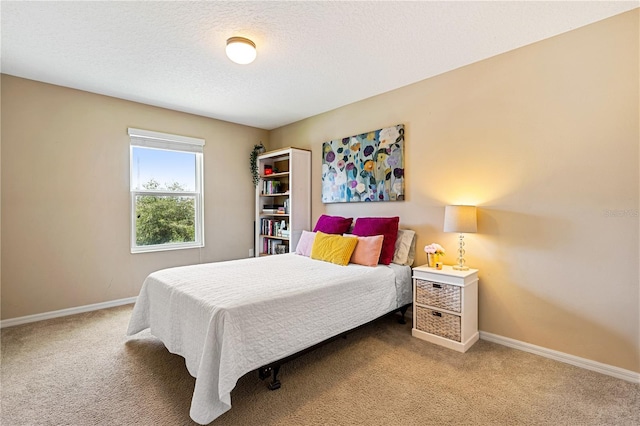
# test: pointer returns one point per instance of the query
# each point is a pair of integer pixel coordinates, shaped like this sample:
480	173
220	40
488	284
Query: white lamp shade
241	50
460	219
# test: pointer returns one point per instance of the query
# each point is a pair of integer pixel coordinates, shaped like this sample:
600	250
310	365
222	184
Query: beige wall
544	139
65	195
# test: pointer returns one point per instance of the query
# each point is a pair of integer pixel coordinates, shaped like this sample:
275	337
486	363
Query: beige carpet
81	370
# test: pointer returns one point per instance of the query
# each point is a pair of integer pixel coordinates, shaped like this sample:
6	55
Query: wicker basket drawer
443	296
439	323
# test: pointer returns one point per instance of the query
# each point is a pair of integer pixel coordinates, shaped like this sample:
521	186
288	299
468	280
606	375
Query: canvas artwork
366	167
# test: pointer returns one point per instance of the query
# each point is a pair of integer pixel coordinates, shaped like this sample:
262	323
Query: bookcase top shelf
282	152
274	237
274	175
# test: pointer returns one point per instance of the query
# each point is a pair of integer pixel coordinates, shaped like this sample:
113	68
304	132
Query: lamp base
460	266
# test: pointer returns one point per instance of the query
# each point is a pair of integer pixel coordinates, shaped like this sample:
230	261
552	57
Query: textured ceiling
312	56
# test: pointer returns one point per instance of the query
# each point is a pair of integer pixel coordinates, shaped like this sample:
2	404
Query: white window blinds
158	140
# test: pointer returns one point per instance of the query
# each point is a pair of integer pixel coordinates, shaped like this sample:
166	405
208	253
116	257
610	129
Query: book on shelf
270	187
271	246
272	208
272	227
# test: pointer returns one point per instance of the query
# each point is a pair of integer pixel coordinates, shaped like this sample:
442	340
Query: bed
229	318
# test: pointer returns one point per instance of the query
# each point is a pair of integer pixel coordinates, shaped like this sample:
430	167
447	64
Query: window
166	191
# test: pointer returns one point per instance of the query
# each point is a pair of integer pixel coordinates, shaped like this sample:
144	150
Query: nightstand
445	306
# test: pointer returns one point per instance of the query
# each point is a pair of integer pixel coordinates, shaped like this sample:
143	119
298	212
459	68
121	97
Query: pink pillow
305	243
333	224
367	250
387	226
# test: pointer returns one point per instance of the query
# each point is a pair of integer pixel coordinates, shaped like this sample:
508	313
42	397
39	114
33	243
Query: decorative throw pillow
387	226
367	251
402	250
333	248
412	251
305	243
333	224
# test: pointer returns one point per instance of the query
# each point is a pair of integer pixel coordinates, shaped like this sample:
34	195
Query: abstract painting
366	167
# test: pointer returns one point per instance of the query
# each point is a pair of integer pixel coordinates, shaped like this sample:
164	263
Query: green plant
253	162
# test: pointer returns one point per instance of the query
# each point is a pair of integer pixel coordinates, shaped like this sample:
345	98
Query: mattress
229	318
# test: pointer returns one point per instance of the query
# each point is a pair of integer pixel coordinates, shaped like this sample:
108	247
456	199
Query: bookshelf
283	200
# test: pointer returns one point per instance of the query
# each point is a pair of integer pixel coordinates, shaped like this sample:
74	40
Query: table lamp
461	219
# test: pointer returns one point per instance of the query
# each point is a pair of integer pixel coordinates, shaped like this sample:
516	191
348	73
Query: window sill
165	247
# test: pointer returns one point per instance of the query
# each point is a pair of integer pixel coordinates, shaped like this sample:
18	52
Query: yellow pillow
333	248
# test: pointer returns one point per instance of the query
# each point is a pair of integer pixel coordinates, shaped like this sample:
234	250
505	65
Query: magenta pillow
387	226
333	224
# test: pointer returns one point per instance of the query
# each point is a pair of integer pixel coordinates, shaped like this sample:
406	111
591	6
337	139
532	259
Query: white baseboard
64	312
609	370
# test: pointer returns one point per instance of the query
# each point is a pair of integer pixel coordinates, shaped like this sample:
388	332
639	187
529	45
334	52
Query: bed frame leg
264	372
403	311
275	383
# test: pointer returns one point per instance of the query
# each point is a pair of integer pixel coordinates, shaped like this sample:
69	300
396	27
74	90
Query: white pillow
412	251
405	249
305	243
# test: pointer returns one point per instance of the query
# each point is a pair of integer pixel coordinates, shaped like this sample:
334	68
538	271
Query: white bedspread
229	318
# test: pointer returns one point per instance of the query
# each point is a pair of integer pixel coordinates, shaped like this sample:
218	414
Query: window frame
167	142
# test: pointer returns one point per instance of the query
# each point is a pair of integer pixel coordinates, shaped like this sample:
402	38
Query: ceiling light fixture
241	50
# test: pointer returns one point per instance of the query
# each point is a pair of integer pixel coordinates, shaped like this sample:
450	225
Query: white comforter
229	318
